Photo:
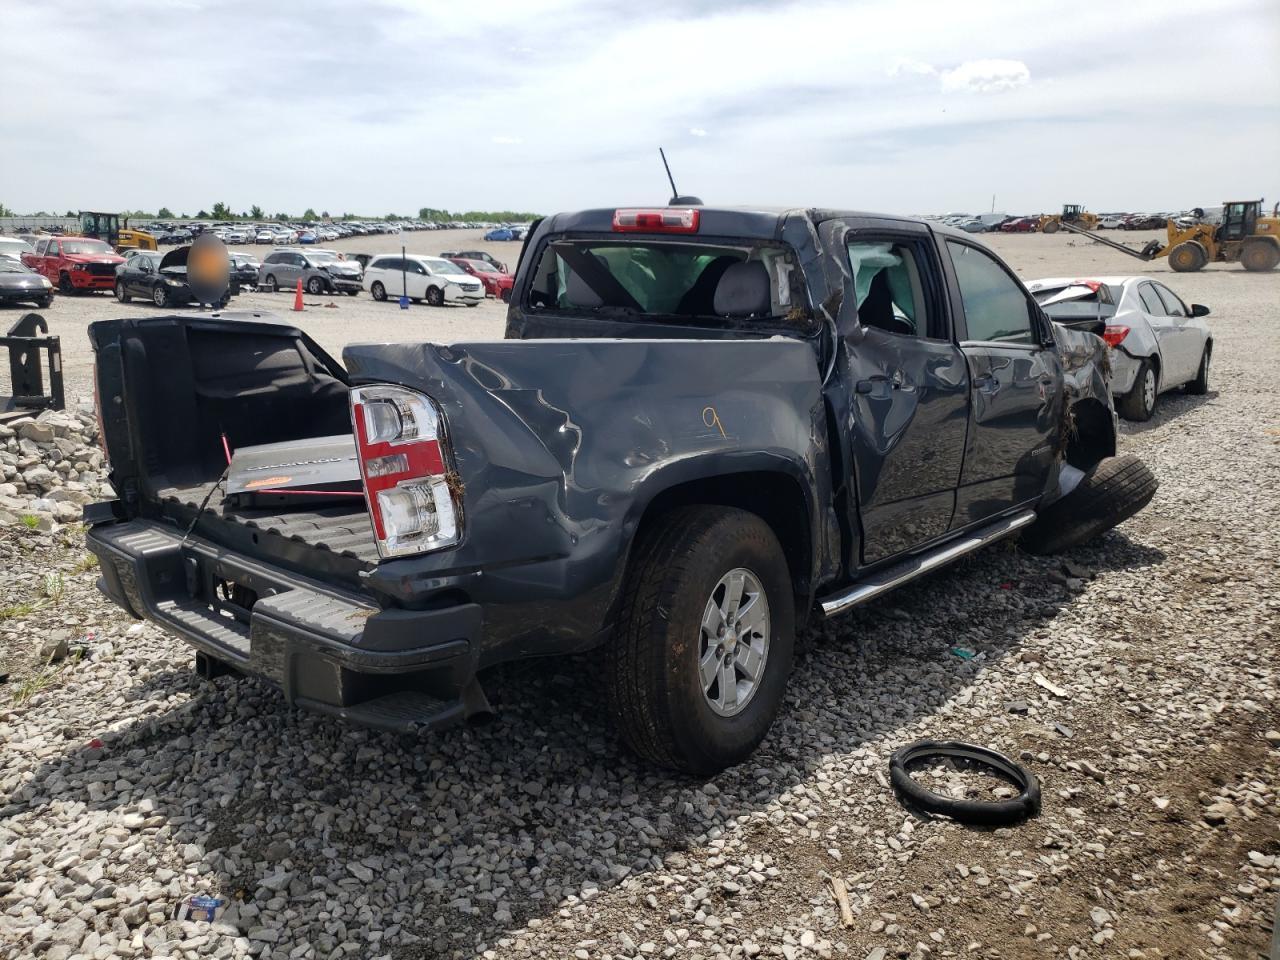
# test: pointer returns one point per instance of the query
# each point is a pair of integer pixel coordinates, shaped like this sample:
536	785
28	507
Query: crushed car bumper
334	653
1124	371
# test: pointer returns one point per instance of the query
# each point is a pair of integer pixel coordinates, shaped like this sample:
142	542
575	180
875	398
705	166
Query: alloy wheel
733	646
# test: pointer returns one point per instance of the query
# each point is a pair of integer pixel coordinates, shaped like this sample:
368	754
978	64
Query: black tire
64	284
159	295
1187	257
1140	402
121	294
316	286
1053	226
352	293
1111	492
435	296
1259	256
270	284
656	693
1200	385
378	290
474	303
45	302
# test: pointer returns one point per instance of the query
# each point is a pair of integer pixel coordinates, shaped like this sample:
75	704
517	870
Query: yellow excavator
1245	235
1072	215
106	227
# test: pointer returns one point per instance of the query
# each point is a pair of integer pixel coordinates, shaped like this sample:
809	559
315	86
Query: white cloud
697	131
507	140
986	76
908	66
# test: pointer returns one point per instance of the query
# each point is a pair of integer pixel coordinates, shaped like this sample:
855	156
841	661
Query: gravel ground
1137	678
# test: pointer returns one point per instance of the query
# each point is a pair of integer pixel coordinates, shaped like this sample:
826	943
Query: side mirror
1199	310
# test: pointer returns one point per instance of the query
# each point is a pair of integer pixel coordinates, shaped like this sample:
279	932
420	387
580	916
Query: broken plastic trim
988	813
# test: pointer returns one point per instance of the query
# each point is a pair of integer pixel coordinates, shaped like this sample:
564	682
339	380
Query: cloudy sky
391	105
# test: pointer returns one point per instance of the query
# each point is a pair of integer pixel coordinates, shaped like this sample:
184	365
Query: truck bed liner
338	529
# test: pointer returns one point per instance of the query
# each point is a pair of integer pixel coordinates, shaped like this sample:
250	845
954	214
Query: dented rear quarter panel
561	445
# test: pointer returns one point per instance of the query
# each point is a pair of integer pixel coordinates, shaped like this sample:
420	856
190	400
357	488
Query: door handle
869	385
986	384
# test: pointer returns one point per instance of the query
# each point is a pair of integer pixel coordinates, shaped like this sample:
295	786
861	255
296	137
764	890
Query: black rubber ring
987	813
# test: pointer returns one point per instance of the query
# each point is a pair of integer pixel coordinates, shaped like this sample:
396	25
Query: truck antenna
676	200
670	179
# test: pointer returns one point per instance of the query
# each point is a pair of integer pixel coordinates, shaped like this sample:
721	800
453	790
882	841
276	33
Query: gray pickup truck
705	427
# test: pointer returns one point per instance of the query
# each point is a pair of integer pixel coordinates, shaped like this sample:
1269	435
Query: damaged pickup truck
704	428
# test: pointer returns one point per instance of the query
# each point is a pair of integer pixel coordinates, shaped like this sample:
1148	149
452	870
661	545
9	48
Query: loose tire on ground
1259	255
1188	257
1200	385
1140	402
1112	492
657	695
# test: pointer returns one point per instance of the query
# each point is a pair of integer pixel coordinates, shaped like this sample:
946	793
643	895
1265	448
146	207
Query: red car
496	283
1020	225
75	264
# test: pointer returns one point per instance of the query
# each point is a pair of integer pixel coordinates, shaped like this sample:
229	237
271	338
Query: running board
885	580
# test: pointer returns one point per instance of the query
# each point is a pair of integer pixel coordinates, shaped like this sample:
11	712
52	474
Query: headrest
579	294
743	290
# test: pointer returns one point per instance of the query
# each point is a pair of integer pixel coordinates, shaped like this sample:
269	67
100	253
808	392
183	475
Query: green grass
31	521
84	564
16	610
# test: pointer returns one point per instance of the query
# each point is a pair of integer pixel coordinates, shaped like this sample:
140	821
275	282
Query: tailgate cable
207	497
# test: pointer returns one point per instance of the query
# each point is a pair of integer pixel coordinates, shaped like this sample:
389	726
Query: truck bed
340	529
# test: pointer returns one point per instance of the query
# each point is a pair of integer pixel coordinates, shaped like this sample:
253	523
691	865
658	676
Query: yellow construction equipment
1072	213
106	227
1244	235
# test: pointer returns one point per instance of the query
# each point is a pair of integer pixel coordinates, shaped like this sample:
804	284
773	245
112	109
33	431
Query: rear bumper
331	652
1124	371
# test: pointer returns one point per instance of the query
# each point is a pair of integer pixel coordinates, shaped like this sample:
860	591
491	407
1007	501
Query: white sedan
433	279
1157	342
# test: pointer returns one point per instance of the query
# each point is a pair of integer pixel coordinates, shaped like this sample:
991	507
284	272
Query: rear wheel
1112	492
1200	385
1259	255
702	652
435	296
378	290
121	295
1140	402
1187	257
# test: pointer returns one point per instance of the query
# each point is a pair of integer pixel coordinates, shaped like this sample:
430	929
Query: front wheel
45	302
378	290
699	663
160	296
1111	492
1140	402
1200	385
64	284
1187	257
435	296
316	286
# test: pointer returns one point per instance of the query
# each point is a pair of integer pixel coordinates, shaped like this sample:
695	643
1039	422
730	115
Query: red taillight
656	220
403	455
1114	334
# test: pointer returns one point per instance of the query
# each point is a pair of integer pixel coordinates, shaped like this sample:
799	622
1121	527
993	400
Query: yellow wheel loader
1244	235
1072	215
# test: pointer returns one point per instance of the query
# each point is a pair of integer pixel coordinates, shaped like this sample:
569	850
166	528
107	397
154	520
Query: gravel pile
1136	677
50	466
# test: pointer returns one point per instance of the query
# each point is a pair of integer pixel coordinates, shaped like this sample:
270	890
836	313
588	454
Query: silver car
1157	341
321	271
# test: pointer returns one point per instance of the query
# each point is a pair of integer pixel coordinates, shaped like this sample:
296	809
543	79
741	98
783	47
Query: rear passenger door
1185	339
1015	383
909	388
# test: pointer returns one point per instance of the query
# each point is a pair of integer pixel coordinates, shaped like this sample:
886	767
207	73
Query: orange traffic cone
297	297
